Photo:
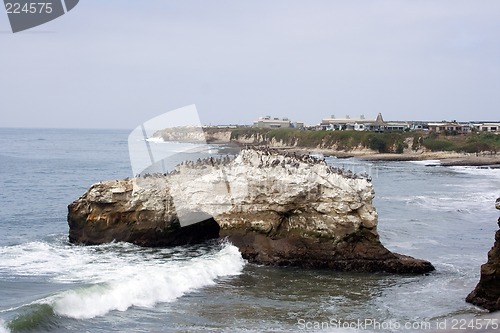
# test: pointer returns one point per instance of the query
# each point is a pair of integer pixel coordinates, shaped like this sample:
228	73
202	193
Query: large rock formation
277	209
487	292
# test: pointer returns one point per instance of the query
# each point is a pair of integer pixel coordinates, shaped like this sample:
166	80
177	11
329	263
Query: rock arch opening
195	233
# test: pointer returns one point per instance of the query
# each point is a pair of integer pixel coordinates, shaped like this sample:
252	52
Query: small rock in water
487	292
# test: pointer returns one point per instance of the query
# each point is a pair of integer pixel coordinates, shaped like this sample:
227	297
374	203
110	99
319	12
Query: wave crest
147	286
3	328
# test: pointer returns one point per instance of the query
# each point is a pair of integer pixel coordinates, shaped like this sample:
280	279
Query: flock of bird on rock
290	159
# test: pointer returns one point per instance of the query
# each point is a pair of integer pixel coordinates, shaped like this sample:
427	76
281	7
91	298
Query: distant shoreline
476	149
445	158
483	151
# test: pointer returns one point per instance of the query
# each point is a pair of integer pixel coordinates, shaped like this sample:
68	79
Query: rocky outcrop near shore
487	292
278	209
194	134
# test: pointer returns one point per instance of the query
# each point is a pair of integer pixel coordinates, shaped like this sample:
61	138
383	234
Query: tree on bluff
378	144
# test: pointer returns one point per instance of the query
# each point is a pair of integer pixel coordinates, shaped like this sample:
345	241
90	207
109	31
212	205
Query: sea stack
487	292
278	209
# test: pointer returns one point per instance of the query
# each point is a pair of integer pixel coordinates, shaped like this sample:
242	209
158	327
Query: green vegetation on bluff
388	142
470	143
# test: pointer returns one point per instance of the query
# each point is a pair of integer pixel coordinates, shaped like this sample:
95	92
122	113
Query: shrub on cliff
379	144
472	143
439	145
246	133
400	148
480	142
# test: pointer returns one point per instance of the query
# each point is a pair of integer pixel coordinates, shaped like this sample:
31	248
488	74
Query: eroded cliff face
277	209
138	211
194	134
487	292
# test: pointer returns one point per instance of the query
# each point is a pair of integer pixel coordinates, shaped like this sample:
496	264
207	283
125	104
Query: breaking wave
147	286
3	329
113	276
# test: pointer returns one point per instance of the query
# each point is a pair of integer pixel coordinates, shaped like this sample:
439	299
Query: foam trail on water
155	140
146	286
427	162
65	263
477	171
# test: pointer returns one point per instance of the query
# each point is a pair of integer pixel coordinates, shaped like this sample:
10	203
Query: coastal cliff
472	149
487	292
278	209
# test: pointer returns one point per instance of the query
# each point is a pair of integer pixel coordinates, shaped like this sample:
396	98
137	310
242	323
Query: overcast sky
118	63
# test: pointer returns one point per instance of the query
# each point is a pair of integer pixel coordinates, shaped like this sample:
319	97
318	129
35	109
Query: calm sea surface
445	215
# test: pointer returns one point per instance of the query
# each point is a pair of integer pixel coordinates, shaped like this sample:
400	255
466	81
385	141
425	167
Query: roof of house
380	120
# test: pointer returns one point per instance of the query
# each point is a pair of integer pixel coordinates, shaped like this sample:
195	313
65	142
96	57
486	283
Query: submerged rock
278	209
487	292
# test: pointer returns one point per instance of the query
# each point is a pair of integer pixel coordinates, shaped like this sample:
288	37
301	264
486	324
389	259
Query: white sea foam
433	202
477	171
486	189
155	140
60	262
427	162
465	200
120	275
318	155
147	285
3	328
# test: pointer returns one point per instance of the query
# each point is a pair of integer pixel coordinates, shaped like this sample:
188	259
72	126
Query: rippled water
445	215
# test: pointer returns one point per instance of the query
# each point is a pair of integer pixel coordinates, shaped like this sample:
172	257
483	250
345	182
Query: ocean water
442	214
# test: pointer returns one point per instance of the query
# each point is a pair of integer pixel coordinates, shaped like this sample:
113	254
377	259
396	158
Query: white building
489	127
363	124
347	123
450	127
268	122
